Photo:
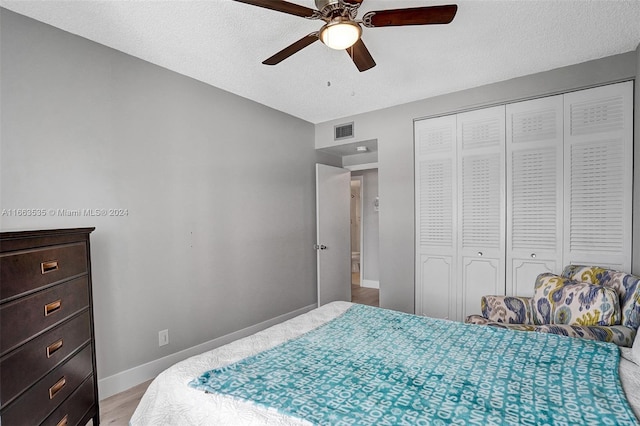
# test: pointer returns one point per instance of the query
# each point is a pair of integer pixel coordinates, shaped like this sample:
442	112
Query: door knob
319	247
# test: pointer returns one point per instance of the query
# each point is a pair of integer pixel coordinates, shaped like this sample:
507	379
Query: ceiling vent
343	131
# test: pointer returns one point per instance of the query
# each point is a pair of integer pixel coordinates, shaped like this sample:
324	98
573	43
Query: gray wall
370	226
393	128
219	190
635	260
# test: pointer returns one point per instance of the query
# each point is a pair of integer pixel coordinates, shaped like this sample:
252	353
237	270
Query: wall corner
635	254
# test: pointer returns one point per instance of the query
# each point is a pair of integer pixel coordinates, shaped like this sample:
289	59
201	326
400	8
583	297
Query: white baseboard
124	380
370	284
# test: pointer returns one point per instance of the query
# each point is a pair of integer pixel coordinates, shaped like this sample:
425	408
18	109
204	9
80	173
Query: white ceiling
222	42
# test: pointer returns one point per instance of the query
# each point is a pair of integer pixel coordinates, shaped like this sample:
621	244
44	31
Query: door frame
361	226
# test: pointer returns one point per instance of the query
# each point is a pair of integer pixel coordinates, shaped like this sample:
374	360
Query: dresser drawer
22	368
24	271
72	411
26	317
40	401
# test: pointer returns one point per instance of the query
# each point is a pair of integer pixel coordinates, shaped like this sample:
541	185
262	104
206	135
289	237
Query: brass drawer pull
53	390
52	307
52	348
49	266
64	421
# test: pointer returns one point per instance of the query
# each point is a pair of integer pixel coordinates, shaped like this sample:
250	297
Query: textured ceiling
222	42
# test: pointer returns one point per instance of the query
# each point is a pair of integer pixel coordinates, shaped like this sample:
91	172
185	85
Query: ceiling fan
343	31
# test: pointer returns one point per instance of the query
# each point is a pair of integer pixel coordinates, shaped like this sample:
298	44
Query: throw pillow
585	274
559	300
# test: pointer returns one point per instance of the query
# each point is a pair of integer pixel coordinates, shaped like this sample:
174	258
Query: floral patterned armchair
585	301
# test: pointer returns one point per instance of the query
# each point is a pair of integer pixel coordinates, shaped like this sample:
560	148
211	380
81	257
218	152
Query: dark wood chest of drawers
47	348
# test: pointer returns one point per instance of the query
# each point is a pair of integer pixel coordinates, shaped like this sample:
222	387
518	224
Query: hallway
363	295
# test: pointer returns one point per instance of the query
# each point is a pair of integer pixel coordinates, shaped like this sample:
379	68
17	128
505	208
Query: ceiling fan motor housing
332	4
331	8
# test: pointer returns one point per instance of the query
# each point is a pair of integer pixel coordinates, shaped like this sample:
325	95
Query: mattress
170	400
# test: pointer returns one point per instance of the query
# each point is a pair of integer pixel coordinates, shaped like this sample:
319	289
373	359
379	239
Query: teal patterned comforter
376	366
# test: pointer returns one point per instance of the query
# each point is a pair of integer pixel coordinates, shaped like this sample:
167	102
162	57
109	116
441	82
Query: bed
345	363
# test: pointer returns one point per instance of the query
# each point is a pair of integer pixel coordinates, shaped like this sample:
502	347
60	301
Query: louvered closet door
435	185
481	212
598	176
534	191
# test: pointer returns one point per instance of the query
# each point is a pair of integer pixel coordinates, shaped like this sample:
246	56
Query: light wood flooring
118	409
363	295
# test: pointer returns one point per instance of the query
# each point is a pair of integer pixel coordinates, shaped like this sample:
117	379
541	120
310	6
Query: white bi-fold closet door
436	217
460	211
481	206
508	192
534	191
598	176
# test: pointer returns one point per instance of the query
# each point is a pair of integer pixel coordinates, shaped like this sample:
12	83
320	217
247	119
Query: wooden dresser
47	352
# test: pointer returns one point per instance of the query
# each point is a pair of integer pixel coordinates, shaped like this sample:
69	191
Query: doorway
364	237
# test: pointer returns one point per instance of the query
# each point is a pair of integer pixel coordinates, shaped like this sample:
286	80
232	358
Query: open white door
333	203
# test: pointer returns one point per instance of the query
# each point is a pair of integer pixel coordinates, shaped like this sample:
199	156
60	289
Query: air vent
343	131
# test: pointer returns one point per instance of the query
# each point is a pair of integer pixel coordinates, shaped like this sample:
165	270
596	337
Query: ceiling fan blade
291	49
361	56
283	6
412	16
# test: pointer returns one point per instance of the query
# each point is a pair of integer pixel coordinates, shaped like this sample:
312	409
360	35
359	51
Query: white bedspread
630	378
170	401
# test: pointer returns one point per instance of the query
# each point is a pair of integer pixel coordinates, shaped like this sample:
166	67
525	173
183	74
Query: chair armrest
507	309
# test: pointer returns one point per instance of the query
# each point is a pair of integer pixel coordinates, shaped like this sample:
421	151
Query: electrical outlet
163	337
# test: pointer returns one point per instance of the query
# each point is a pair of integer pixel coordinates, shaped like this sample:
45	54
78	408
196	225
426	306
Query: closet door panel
480	277
523	274
481	201
598	176
534	191
438	293
436	226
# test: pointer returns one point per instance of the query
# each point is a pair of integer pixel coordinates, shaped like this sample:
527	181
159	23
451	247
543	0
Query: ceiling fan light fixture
341	33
